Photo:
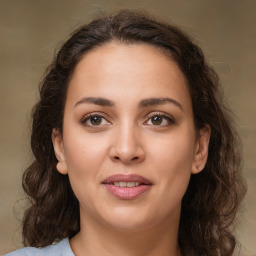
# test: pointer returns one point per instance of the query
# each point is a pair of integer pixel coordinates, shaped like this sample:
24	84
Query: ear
201	149
57	142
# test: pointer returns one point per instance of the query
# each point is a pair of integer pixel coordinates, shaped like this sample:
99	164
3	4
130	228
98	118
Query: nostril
133	159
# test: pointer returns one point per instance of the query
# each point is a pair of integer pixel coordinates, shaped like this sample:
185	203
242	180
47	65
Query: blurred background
30	32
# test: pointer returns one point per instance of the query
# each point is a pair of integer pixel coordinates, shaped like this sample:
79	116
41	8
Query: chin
130	225
133	220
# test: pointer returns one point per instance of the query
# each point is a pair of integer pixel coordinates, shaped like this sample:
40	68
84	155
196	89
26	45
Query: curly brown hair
213	197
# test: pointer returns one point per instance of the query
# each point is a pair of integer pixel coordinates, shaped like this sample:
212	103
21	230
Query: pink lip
127	193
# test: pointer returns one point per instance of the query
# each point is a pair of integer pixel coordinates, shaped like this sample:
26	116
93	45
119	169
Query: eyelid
87	116
169	118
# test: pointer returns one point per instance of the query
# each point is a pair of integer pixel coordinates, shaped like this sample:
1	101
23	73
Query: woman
134	151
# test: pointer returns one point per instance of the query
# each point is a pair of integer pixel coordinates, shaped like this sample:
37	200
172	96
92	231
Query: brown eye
160	120
156	120
95	120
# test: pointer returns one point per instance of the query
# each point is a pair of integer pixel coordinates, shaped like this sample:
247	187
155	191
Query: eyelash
87	117
169	119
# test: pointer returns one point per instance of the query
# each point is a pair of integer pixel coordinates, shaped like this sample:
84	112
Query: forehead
121	55
131	70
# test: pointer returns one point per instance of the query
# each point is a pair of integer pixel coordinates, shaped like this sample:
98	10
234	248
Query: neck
96	239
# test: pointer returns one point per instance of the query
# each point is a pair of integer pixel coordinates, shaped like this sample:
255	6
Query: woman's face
129	144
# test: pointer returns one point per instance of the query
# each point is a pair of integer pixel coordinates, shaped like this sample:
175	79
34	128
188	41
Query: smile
127	187
129	184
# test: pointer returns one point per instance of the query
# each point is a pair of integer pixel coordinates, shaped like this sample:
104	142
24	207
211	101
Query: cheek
173	159
84	158
84	155
173	151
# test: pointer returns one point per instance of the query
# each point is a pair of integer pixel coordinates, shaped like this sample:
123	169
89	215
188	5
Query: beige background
30	30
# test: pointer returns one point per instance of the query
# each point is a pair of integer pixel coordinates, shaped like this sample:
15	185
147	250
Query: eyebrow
159	101
143	103
96	101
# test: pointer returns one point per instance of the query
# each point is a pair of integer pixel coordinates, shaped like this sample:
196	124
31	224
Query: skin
127	140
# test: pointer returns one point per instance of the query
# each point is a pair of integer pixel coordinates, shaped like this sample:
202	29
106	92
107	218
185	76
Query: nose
127	146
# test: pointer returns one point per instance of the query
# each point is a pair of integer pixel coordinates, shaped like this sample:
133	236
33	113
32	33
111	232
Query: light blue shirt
60	249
